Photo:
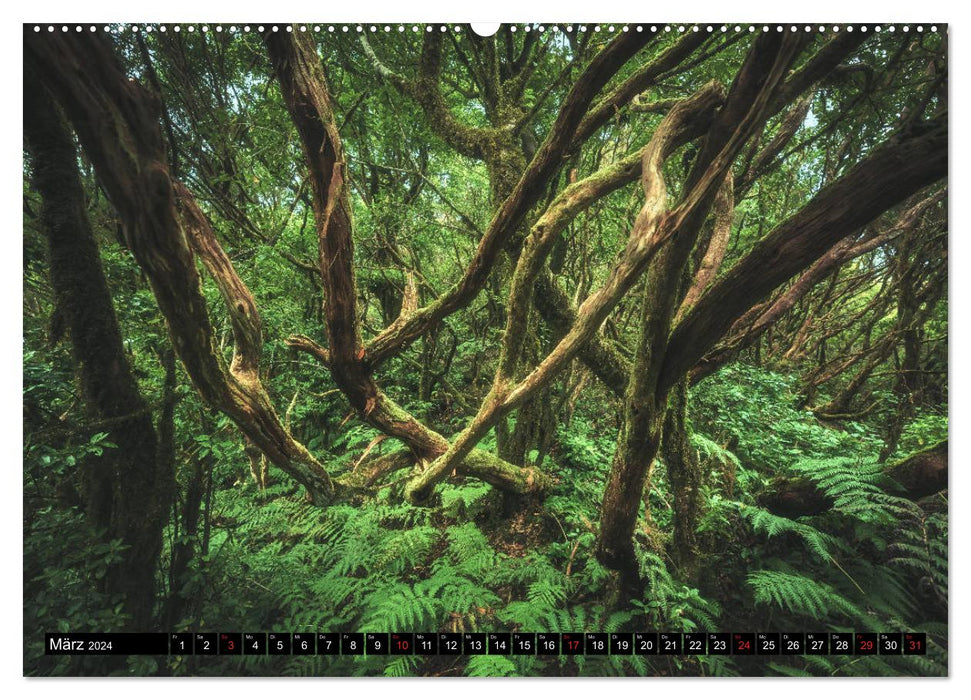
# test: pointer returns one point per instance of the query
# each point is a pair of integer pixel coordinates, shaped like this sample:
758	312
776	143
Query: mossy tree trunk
128	490
686	477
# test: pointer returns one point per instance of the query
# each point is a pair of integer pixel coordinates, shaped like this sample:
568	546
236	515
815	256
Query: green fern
490	666
398	606
764	522
402	666
458	499
802	595
404	550
470	551
709	449
922	550
784	670
857	487
669	604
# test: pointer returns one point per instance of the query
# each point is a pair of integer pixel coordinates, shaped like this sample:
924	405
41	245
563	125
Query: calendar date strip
489	643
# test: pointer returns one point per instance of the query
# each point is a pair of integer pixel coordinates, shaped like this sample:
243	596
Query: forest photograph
633	333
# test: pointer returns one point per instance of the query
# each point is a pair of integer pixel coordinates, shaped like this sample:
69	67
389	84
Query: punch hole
485	28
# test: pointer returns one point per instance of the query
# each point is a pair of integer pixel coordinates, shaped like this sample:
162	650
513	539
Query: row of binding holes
233	29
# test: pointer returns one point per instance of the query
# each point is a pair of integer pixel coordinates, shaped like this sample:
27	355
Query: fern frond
490	666
819	543
801	595
709	449
402	666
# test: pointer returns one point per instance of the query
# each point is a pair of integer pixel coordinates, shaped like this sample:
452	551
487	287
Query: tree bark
118	125
902	166
761	316
306	96
687	481
652	229
646	396
128	490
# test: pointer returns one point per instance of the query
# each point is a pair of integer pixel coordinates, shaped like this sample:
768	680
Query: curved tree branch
118	125
903	165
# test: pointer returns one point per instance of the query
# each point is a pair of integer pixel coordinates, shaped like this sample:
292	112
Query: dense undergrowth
475	560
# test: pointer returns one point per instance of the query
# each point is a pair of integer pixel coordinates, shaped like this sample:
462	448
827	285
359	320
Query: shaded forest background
554	330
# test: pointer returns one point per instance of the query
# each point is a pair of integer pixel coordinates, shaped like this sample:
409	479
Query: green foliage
709	449
875	560
765	523
754	409
922	550
64	569
670	604
857	486
802	596
491	666
928	428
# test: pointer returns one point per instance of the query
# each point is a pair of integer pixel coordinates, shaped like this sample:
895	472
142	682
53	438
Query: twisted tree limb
902	166
653	227
746	109
556	308
754	322
530	187
117	122
306	96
